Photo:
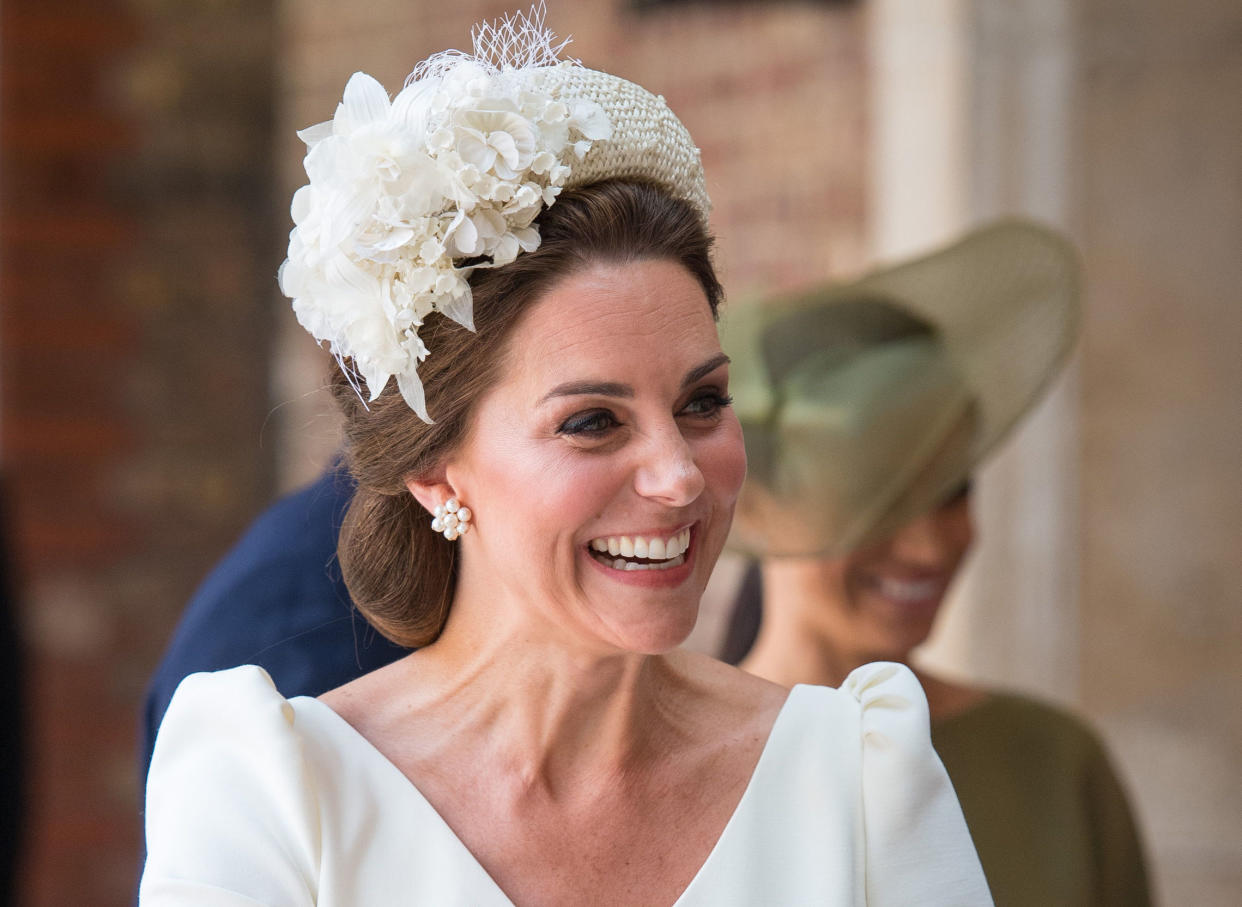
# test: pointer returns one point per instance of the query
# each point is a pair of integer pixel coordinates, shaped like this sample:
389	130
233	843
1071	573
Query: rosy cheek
725	460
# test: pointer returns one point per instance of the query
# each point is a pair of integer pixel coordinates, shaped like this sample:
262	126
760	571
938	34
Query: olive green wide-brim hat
866	404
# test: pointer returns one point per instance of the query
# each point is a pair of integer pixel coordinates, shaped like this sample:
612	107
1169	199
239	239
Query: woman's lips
910	592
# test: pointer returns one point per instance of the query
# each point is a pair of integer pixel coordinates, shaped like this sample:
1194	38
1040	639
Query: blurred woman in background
866	410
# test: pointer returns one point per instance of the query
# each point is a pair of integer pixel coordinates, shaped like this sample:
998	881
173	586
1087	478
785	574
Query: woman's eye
708	405
596	422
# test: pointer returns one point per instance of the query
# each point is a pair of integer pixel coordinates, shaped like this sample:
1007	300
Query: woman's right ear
430	491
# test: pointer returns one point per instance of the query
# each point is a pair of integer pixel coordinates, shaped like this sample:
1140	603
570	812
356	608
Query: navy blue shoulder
276	600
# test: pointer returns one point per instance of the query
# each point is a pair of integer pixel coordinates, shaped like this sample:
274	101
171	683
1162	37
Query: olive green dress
1047	813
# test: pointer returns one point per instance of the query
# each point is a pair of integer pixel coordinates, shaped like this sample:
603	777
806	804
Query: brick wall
137	261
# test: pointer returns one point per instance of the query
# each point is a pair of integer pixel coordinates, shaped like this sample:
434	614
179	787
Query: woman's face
603	467
884	597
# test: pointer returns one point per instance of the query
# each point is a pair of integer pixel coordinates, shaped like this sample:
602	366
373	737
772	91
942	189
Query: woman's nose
924	541
668	472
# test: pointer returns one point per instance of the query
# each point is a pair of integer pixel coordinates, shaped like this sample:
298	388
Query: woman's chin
896	643
643	631
657	643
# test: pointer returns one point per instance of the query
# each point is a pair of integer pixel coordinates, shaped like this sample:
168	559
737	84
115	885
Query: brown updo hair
401	574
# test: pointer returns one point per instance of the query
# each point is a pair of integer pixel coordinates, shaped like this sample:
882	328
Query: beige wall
1111	563
1160	176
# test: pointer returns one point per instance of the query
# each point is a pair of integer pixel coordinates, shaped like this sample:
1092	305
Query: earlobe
436	494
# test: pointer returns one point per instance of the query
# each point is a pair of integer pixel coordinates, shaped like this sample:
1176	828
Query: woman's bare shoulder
729	693
363	701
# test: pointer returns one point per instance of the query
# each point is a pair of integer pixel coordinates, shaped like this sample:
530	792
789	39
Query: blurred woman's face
884	597
604	466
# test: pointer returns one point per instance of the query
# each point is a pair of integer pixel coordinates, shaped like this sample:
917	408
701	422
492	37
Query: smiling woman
594	244
867	408
545	541
611	422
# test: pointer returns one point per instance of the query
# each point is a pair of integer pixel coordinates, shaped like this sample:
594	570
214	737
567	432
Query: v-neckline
372	753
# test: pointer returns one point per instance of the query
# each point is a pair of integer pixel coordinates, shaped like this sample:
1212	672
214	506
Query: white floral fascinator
407	196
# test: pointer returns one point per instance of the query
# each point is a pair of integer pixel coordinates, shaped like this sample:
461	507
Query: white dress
256	799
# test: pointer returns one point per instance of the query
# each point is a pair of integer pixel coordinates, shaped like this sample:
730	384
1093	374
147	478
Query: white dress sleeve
918	850
231	816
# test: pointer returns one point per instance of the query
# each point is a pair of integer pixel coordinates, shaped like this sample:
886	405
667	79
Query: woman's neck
810	658
796	644
792	650
796	641
550	711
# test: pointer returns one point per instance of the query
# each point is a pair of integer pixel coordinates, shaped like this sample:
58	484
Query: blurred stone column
1022	588
972	104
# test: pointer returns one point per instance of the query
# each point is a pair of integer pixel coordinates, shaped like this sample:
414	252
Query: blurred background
155	392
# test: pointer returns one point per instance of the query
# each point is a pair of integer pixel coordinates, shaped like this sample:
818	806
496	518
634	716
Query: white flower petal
589	119
393	238
459	307
505	250
312	135
474	150
461	240
411	387
489	224
364	103
507	148
527	194
375	377
542	162
431	250
302	204
528	238
441	139
411	108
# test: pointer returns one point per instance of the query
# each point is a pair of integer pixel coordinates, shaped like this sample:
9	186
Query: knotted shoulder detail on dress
894	707
918	848
231	812
225	701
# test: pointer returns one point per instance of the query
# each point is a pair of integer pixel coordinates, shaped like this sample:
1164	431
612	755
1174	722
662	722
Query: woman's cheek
727	458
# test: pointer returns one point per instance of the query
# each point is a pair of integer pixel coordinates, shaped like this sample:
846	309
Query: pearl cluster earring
452	519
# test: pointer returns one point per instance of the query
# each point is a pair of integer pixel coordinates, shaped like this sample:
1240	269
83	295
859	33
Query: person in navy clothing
276	600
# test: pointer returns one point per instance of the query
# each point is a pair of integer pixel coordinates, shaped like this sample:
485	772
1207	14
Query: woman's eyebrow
705	369
616	389
588	388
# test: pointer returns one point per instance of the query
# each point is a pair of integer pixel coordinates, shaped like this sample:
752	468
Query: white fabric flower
457	166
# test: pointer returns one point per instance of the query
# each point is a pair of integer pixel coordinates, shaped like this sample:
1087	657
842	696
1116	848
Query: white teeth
616	549
909	590
666	565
